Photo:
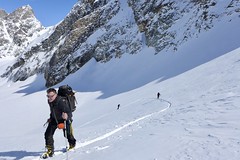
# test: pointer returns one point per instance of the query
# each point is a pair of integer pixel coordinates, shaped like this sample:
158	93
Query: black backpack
67	92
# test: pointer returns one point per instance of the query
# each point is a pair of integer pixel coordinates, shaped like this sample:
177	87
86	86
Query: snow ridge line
169	103
121	128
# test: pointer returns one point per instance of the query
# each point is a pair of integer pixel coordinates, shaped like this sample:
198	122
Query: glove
64	116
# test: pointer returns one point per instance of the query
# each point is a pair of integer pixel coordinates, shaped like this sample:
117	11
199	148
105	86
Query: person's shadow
18	154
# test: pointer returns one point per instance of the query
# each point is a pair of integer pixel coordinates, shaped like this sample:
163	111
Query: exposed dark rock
95	29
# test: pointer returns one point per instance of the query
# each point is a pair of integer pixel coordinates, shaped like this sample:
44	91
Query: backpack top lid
65	90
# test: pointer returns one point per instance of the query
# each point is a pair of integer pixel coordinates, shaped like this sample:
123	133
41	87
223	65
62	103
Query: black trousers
52	126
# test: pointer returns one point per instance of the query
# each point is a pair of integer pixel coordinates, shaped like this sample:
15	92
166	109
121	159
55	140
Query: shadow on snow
18	154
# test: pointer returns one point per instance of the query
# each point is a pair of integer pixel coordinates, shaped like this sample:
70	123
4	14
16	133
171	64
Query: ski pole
45	124
66	143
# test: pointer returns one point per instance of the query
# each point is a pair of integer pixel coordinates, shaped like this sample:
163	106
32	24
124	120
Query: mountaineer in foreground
61	118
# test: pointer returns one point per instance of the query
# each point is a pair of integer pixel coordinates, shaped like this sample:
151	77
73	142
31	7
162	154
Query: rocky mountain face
16	29
103	29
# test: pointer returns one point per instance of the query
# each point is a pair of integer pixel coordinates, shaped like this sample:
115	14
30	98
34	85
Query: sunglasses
51	96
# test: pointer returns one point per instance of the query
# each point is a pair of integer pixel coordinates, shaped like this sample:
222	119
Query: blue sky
48	12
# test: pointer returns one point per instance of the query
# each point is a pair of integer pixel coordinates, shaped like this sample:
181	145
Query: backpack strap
54	114
75	99
69	104
52	110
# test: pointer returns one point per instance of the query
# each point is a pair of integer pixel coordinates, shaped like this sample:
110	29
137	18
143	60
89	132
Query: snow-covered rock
105	29
16	29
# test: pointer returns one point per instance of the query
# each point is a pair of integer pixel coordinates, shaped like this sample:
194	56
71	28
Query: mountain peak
26	8
3	13
104	29
23	12
16	30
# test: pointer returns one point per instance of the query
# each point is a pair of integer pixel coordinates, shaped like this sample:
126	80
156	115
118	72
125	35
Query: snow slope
196	117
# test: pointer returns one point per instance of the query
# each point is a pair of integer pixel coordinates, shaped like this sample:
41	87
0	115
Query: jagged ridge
100	30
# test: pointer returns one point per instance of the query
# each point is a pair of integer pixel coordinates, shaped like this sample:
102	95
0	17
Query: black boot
48	153
71	146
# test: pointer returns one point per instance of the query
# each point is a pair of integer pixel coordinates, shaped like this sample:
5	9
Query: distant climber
118	107
158	95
